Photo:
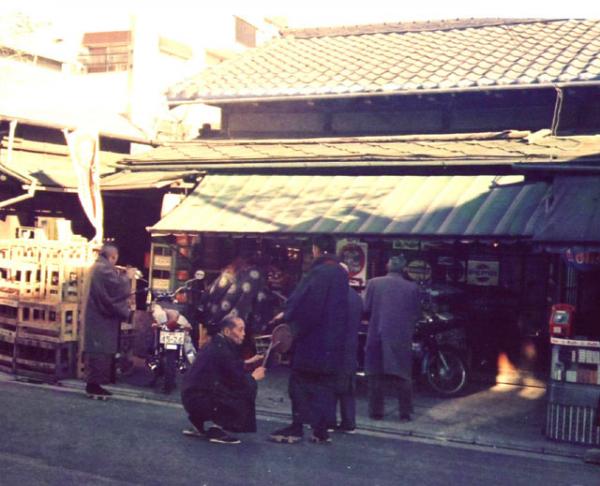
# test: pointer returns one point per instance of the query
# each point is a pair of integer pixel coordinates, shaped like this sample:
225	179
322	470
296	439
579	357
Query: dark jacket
355	310
218	373
106	294
318	311
393	304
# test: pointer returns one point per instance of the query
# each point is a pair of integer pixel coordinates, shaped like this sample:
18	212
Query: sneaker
320	437
288	435
219	436
345	429
194	432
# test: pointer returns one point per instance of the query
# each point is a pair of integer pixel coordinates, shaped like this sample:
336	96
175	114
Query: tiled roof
449	56
512	146
47	163
51	166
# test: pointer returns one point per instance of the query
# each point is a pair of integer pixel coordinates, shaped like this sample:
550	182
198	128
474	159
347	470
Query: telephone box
561	320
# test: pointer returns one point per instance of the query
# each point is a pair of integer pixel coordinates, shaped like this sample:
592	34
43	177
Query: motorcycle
440	362
172	349
440	348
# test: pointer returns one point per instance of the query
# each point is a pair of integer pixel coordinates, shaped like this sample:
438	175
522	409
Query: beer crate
9	311
20	279
55	322
7	356
47	361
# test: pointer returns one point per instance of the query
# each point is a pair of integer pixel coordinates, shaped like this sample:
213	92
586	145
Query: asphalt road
50	437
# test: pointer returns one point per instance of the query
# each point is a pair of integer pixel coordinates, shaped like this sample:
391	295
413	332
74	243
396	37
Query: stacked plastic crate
40	290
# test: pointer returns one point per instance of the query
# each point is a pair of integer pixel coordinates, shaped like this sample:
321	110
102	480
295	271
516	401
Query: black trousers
98	367
401	386
313	398
236	414
345	396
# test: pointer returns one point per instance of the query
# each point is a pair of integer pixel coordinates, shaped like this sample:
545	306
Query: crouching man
217	391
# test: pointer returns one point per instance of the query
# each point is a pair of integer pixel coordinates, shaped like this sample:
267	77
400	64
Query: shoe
320	437
95	391
345	429
376	416
288	435
194	432
405	417
219	436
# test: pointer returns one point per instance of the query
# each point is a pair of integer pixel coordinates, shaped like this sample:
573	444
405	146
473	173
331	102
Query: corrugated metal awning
360	205
573	211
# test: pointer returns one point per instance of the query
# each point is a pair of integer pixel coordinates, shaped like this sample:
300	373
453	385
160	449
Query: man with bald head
394	306
218	391
106	294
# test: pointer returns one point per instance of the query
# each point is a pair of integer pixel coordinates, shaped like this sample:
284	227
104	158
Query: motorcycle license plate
172	338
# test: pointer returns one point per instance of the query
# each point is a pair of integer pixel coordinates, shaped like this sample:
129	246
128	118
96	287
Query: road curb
130	394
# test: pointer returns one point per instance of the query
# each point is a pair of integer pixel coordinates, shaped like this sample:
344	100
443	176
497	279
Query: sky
81	13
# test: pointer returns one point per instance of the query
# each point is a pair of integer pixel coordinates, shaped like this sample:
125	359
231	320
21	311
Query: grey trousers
402	387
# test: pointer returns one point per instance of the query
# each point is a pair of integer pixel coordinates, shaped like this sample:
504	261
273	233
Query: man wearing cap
393	306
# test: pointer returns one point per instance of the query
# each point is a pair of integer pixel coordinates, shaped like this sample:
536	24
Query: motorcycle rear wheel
446	373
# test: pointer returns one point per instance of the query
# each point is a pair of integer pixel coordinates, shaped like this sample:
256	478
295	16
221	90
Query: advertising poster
354	254
483	272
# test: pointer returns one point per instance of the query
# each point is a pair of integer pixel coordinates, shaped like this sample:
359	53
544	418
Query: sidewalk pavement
494	415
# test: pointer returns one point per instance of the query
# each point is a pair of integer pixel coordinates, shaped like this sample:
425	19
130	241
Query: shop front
471	234
571	230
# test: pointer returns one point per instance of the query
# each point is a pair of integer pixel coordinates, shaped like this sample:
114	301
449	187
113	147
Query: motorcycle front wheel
446	372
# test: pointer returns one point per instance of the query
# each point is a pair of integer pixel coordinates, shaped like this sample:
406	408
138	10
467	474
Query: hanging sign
354	254
480	272
84	150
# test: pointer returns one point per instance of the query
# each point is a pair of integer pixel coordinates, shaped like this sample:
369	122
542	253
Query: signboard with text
483	272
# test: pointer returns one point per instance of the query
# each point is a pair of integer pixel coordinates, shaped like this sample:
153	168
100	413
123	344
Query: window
107	51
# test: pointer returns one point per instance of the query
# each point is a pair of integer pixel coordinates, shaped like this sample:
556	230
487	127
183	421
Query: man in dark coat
218	389
393	306
318	311
346	381
106	294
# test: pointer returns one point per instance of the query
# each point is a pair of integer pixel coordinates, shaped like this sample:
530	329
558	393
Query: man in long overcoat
106	294
393	306
318	311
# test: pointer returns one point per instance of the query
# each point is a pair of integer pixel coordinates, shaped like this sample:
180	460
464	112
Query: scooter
173	349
